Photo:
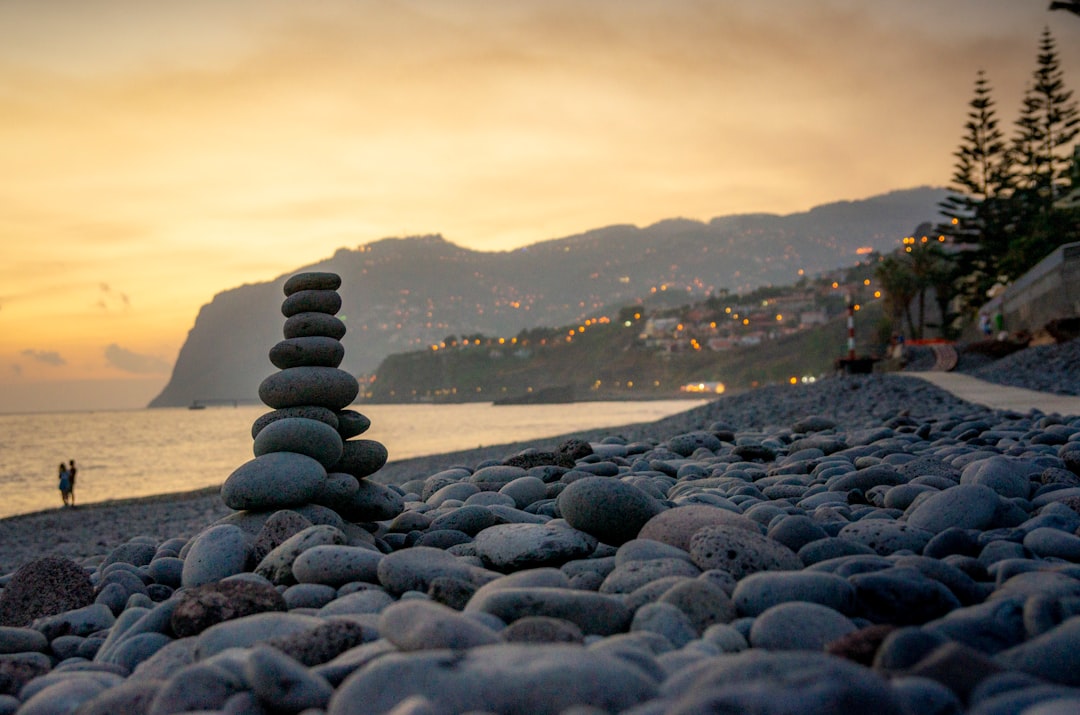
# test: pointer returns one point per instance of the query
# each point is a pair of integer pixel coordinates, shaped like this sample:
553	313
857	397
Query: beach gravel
862	544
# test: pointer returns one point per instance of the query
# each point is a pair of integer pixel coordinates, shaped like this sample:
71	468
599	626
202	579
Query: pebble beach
861	544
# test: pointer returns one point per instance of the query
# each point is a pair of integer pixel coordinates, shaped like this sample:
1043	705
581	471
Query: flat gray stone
760	591
511	547
414	569
304	325
337	565
326	387
593	613
311	280
276	480
311	301
316	350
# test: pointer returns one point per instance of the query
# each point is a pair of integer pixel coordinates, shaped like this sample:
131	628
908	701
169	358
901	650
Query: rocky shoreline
866	543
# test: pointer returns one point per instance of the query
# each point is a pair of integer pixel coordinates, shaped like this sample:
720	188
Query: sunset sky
156	153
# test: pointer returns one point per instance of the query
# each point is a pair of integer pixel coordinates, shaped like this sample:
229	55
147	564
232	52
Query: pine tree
1048	122
982	183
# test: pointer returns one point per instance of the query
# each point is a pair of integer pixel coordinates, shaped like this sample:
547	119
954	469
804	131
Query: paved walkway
1000	397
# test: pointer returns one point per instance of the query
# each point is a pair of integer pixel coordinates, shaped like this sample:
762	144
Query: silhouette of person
72	471
65	483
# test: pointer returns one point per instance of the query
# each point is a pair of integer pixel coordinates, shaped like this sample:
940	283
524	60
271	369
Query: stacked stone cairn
307	458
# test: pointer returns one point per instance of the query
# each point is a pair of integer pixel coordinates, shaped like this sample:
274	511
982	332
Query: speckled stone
739	551
44	587
212	603
676	526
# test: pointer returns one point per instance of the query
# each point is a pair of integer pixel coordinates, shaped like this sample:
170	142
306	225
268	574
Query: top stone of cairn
313	280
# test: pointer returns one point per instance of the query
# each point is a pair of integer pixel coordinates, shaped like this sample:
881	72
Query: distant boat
196	406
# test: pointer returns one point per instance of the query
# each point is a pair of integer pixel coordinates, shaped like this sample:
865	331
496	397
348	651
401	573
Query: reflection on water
134	453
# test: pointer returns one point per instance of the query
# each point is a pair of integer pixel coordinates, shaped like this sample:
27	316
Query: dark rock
44	587
212	603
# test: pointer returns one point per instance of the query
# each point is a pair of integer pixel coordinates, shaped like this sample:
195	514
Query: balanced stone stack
306	456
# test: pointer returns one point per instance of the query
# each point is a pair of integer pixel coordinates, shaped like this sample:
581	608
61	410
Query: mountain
401	294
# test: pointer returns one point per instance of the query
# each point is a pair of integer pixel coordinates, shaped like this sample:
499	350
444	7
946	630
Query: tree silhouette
1072	6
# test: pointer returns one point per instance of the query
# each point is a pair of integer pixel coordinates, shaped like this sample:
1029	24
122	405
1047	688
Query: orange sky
158	153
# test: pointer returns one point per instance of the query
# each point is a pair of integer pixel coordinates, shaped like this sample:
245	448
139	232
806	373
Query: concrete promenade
1000	397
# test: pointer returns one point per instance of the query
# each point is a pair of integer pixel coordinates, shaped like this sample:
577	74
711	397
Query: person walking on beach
72	471
65	483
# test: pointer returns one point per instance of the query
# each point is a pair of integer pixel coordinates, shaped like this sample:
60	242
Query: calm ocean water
136	453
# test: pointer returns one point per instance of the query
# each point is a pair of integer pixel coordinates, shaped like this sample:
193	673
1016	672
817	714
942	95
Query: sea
122	454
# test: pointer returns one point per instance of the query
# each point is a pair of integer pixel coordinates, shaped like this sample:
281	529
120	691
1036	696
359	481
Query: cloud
128	361
47	357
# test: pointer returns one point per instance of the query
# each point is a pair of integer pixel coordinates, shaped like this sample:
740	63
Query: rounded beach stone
739	551
215	553
675	526
311	280
212	603
901	596
416	624
361	458
306	411
320	386
311	301
799	625
1055	543
629	576
542	629
276	678
760	591
594	613
277	565
44	587
316	350
1006	476
315	439
609	509
248	630
337	565
512	547
541	679
965	506
886	536
414	569
1053	656
763	681
305	325
351	423
273	481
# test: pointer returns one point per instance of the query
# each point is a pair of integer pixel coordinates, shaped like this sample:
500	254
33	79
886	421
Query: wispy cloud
47	357
133	362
